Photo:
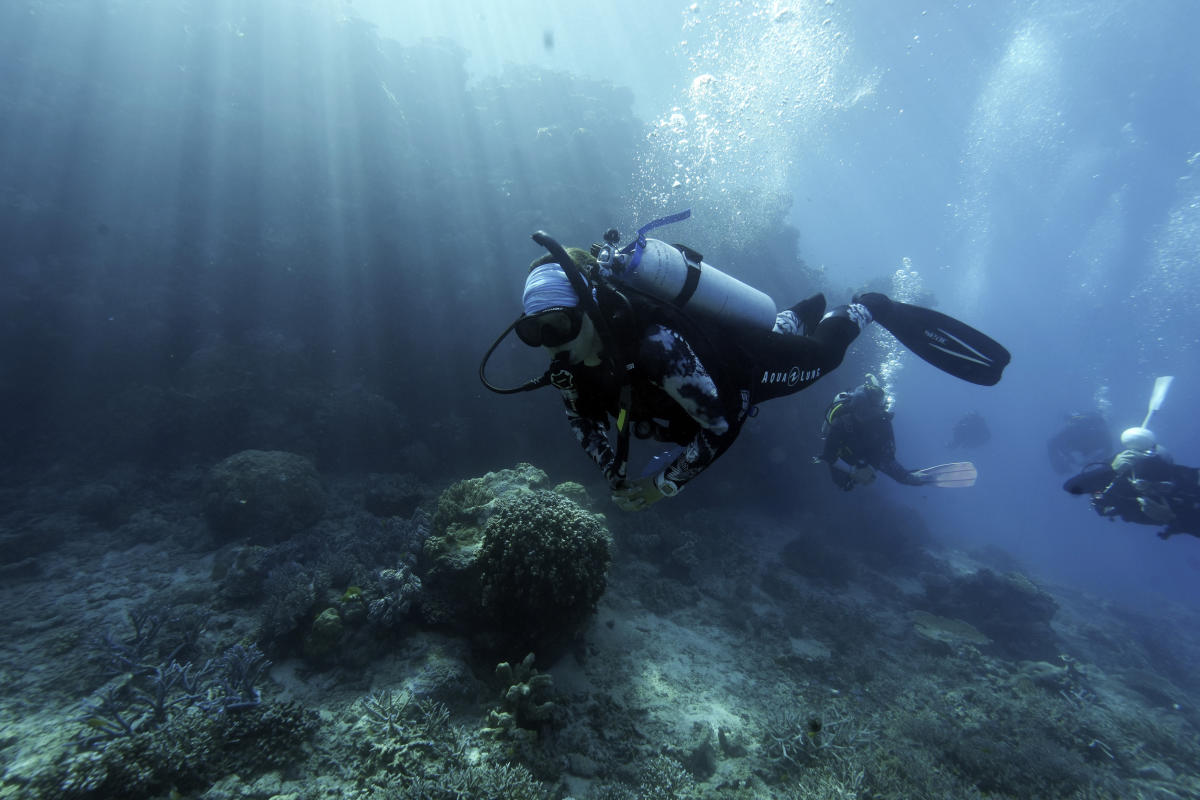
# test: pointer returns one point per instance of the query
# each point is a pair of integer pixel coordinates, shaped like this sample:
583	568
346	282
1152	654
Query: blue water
341	194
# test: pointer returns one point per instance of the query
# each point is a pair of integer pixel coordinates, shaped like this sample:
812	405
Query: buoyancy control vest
631	314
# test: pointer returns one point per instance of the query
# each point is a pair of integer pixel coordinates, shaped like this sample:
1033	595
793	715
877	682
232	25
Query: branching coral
400	588
528	697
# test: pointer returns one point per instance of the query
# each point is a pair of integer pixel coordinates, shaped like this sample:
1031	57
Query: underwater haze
254	251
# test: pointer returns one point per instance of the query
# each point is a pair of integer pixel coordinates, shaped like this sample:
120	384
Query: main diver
665	373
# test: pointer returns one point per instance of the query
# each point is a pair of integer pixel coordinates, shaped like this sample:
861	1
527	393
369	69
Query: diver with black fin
859	441
675	350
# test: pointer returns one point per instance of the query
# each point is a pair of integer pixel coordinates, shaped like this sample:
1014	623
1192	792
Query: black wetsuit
863	440
694	385
1116	493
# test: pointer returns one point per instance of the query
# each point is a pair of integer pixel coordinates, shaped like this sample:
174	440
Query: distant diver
859	440
1084	439
1144	485
675	350
970	431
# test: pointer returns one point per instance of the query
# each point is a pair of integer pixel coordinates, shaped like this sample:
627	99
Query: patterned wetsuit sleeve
670	363
591	433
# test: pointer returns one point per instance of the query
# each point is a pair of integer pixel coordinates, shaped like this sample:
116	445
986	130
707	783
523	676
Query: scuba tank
678	275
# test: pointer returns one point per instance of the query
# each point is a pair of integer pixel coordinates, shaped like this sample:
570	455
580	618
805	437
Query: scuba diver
970	431
859	439
677	351
857	430
1143	484
1083	439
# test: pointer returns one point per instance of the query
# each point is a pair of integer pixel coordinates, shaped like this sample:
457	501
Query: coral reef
523	567
527	699
449	559
262	496
392	495
1009	609
543	566
399	590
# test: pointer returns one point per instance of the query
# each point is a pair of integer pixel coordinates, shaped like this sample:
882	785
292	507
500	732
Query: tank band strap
689	283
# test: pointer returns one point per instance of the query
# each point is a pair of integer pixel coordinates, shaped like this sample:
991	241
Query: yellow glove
638	495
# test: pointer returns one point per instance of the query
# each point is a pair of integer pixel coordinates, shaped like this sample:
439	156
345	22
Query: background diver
970	431
859	440
1143	484
691	368
1083	439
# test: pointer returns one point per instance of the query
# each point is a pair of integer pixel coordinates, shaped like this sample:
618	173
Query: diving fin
950	345
956	475
1161	385
1092	478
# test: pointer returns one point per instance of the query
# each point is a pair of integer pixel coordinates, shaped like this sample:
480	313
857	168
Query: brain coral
264	496
544	562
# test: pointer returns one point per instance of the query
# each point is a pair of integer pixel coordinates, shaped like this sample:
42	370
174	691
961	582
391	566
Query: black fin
1093	478
950	345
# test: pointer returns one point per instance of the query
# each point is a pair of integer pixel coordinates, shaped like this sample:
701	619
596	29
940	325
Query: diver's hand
1156	510
1125	461
864	476
637	495
842	480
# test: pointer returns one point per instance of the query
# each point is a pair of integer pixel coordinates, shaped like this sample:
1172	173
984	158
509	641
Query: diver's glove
642	493
842	480
864	476
1156	510
1125	461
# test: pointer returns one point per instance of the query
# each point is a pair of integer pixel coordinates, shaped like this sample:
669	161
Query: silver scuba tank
678	276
